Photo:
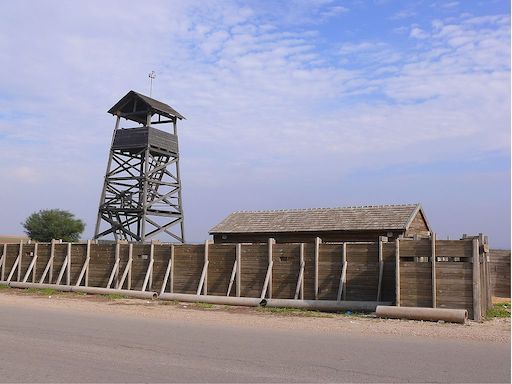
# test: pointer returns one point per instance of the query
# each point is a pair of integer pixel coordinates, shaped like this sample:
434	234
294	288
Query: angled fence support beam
127	270
85	267
52	257
434	278
115	268
232	278
168	270
149	270
299	290
130	256
343	277
31	266
17	264
48	265
2	262
381	270
317	256
203	281
64	265
267	284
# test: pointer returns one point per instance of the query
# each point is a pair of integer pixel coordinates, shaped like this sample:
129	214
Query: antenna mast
152	76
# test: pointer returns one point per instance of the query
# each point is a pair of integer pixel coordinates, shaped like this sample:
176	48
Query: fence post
171	282
397	272
4	256
381	270
68	270
477	305
88	260
317	256
238	270
267	284
434	278
20	255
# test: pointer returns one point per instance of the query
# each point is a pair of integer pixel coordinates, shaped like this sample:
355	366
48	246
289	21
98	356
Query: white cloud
265	104
418	33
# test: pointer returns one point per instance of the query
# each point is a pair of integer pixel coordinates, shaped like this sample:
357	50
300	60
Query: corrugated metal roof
155	105
319	219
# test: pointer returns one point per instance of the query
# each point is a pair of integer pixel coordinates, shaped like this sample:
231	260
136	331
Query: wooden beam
232	278
267	284
397	272
381	270
130	259
16	265
48	266
85	267
20	255
317	256
343	277
88	258
31	266
62	270
171	283
434	277
477	306
126	271
151	257
115	268
2	262
52	258
148	274
34	269
271	243
299	290
238	270
68	270
167	271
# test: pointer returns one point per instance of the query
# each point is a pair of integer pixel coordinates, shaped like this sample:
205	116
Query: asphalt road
49	345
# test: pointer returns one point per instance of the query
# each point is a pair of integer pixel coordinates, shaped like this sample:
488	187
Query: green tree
49	224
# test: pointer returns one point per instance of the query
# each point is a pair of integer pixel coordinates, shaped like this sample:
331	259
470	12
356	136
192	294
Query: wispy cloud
270	98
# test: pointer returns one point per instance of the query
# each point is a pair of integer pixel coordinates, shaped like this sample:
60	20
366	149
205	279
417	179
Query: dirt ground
497	330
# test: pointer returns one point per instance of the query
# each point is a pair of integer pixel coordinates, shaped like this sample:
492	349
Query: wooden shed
363	223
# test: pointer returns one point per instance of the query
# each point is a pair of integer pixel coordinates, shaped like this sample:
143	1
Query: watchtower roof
135	106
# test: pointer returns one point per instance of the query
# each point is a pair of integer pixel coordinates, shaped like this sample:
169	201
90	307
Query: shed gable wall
418	226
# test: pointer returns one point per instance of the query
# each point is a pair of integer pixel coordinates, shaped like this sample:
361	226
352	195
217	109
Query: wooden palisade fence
432	273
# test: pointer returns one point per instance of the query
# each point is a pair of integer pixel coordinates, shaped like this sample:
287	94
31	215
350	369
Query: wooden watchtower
141	194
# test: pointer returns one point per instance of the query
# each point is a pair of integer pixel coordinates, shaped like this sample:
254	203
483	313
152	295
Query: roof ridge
326	208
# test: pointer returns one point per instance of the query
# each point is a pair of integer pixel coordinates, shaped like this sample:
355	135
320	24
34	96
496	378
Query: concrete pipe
418	313
109	291
324	305
220	300
64	288
319	305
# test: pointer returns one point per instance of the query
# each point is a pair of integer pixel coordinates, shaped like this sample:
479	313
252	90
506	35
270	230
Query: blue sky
291	104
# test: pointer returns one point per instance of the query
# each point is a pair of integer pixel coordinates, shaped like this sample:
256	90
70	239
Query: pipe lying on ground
220	300
319	305
64	288
110	291
324	305
418	313
91	290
